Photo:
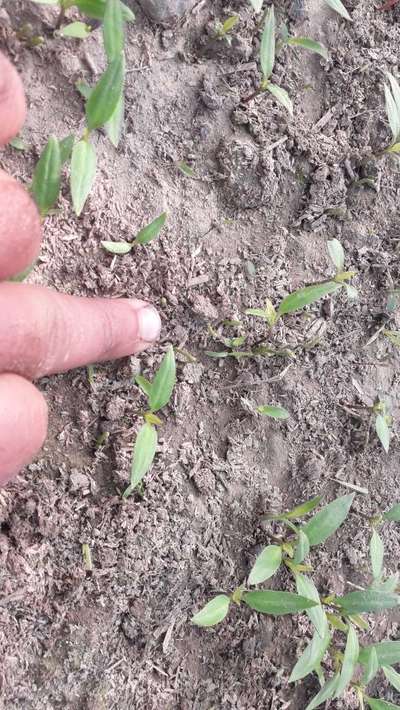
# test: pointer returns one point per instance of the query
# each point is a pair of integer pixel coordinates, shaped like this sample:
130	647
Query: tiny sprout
392	99
144	236
383	423
270	410
76	30
185	169
222	29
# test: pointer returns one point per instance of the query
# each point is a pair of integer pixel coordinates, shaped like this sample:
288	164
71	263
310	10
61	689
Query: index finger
12	101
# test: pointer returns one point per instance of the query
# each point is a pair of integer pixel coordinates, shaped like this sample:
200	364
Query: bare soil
253	222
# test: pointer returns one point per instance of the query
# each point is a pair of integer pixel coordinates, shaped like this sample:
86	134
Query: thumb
43	332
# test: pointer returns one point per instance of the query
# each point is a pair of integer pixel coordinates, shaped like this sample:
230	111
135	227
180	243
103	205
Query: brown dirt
267	190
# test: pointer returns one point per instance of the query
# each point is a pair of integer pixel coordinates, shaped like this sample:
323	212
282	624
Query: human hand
43	332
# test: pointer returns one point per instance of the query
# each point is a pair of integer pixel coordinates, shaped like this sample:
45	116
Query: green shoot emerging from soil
158	393
104	109
144	236
392	99
223	29
336	620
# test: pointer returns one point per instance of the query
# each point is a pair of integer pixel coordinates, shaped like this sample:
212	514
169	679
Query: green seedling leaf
393	677
376	704
300	510
83	171
352	293
17	143
325	693
152	230
304	296
117	247
393	336
257	4
371	667
370	600
393	113
66	146
269	410
349	661
104	98
96	9
388	653
77	30
338	7
229	24
306	588
376	552
47	177
282	96
114	125
309	44
213	613
266	564
185	169
395	87
277	603
84	89
311	657
390	584
336	622
336	252
302	548
383	431
267	49
143	455
163	382
328	520
144	384
393	513
113	29
359	621
395	148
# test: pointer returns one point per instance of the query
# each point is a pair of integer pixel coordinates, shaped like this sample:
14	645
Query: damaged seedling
144	236
158	393
336	620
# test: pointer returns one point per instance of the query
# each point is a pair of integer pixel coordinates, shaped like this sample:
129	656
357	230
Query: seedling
104	109
392	100
379	414
267	59
144	236
223	29
331	616
273	411
158	393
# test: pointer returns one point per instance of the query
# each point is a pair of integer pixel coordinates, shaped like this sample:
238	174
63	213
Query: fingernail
149	324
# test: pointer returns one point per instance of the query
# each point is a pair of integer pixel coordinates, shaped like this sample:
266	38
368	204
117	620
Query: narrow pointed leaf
282	96
96	9
152	230
393	677
300	510
349	661
47	177
304	296
376	552
390	584
213	612
392	114
371	666
302	548
376	704
257	4
66	146
324	694
143	453
144	384
306	588
328	520
393	513
383	431
117	247
163	382
83	171
267	49
277	603
104	98
270	410
310	44
311	657
338	7
395	87
370	600
113	29
114	125
77	30
388	653
336	252
266	564
84	89
229	24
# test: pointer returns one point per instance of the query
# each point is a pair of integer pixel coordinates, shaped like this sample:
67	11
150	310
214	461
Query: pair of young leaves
104	107
144	236
158	393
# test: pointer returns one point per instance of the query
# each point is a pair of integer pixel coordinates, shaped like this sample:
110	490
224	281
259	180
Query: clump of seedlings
337	620
158	393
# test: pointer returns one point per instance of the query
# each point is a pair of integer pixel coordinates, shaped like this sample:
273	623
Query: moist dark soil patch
267	194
